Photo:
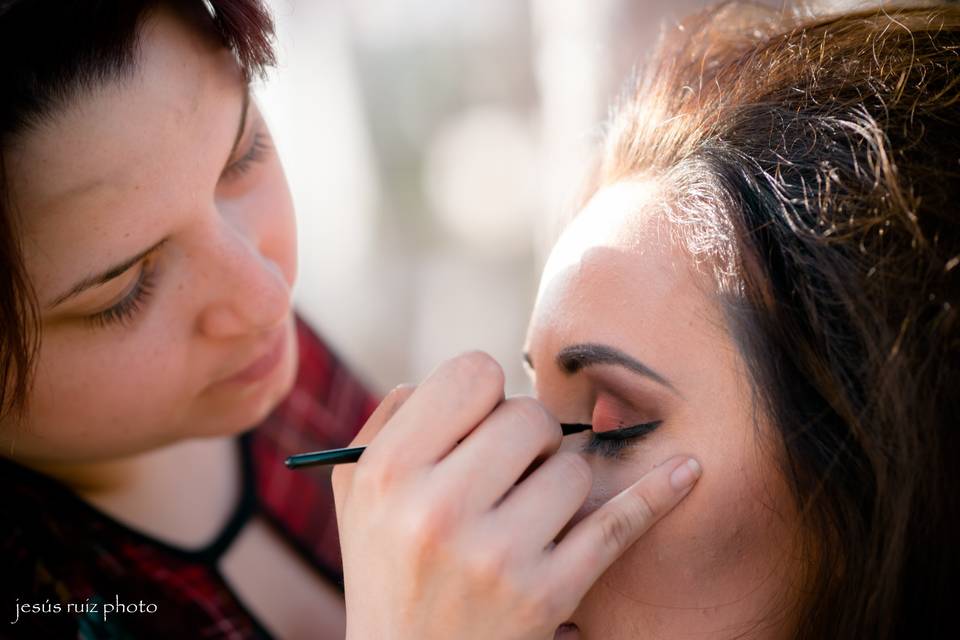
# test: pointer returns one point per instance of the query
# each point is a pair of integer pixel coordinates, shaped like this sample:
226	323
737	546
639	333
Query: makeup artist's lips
266	363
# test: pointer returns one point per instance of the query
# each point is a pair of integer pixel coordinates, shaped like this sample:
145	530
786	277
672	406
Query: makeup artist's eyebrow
103	277
579	356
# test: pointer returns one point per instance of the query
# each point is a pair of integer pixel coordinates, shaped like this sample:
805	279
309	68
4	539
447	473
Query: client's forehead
617	275
619	238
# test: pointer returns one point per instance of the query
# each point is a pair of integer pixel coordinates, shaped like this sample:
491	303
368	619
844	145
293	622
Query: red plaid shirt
59	550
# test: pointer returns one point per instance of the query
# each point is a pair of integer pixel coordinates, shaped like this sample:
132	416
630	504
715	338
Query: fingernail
685	475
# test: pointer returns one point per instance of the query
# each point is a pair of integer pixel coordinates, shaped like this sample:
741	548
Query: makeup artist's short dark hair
50	53
811	167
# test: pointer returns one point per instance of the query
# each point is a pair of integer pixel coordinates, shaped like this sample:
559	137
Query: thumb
594	543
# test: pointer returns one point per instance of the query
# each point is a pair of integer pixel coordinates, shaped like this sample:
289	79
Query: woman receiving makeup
155	375
764	274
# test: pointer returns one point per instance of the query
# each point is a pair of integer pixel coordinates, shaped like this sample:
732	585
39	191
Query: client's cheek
715	549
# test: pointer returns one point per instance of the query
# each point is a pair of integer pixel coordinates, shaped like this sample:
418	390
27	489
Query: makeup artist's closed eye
243	157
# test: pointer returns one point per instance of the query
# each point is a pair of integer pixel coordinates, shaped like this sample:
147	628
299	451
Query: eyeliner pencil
352	454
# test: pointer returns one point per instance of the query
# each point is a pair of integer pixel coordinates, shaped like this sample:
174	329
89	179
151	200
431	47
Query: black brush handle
352	454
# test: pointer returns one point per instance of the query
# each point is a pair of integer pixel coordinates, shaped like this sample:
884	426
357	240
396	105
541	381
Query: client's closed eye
611	443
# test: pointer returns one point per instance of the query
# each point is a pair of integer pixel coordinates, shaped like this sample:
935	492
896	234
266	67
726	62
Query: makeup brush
352	454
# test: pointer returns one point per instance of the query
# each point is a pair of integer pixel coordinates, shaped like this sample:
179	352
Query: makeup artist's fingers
343	474
454	399
489	461
540	507
596	541
387	408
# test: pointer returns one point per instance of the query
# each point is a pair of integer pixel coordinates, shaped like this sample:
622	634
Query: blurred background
433	149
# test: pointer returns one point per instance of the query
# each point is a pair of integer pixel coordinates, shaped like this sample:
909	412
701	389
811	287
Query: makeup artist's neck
181	493
121	474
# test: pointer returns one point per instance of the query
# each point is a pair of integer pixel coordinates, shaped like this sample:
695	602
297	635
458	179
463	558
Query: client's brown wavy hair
812	168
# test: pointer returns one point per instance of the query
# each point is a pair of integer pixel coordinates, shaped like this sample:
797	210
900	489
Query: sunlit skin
722	563
152	158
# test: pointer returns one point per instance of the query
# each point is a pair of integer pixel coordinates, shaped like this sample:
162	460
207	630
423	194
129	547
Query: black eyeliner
611	443
628	432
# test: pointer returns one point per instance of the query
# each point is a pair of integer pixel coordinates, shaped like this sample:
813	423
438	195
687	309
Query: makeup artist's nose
250	291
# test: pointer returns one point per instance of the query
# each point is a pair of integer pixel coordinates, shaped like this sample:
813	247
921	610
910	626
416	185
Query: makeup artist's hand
441	539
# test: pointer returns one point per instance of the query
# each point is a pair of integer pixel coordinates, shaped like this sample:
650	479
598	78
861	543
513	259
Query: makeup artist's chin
244	403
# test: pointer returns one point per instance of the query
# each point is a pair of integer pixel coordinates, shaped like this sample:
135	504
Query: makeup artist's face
623	334
167	166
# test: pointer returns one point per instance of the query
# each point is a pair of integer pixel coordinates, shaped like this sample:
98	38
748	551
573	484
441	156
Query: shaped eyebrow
580	356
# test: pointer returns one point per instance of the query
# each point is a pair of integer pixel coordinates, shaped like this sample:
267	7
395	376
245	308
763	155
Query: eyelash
608	445
123	312
258	151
